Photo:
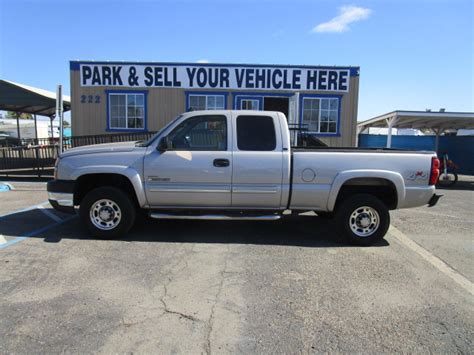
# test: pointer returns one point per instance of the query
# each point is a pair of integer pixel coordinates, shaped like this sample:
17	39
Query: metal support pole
18	124
438	132
36	129
391	123
51	118
359	130
59	115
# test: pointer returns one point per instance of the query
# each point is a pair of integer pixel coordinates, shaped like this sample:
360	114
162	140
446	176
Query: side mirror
163	145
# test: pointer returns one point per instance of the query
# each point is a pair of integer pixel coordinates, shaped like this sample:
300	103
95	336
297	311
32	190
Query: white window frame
320	109
127	94
207	101
250	100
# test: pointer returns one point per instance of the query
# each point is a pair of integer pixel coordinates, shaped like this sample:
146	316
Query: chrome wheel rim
364	221
105	214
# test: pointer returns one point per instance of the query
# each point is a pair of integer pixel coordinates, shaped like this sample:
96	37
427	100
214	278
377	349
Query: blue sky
413	54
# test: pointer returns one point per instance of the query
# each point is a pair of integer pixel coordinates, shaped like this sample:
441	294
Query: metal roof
422	120
27	99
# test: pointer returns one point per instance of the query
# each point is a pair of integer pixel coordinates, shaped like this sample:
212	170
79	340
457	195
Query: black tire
352	227
118	226
452	178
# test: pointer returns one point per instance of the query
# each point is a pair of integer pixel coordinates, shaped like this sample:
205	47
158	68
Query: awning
426	121
26	99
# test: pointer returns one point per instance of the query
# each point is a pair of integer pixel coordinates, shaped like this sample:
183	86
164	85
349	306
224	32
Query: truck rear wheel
108	212
363	219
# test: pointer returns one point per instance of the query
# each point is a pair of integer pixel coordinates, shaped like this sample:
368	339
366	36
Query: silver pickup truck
239	165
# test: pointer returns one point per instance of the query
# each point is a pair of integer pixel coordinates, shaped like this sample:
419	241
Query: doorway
280	104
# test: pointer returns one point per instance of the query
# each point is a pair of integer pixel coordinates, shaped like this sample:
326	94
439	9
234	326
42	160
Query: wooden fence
38	154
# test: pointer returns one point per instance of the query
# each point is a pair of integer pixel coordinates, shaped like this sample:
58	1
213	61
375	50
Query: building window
249	104
198	102
126	111
321	115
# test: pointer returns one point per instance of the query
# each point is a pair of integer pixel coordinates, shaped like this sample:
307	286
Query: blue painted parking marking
24	209
49	214
58	221
35	232
4	187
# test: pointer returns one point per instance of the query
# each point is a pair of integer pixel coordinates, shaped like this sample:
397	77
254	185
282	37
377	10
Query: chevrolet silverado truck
239	165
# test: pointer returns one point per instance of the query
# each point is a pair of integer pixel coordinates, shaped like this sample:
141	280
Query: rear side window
256	133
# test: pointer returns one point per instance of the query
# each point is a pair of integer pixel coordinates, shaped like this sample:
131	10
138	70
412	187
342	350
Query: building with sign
136	97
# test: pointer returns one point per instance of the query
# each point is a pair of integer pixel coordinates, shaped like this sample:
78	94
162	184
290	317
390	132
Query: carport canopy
21	98
426	121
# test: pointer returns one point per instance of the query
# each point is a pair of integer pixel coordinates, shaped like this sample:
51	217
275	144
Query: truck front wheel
363	219
108	212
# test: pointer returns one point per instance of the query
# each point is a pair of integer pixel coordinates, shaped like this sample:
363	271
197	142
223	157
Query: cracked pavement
237	287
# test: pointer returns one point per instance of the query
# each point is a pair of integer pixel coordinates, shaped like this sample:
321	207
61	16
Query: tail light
434	171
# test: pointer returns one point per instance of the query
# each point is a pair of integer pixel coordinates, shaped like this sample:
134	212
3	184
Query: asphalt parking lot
218	287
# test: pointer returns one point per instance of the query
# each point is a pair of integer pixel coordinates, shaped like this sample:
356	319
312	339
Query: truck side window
256	133
205	133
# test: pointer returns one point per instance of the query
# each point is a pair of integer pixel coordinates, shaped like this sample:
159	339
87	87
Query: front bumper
61	195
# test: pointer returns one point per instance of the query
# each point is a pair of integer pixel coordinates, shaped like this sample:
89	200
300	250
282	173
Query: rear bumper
61	195
417	196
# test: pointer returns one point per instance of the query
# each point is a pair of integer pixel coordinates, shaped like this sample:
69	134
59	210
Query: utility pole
59	114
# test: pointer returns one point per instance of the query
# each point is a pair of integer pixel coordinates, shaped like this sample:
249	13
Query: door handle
221	162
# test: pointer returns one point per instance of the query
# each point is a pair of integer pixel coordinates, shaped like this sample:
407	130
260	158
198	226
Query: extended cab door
196	168
258	161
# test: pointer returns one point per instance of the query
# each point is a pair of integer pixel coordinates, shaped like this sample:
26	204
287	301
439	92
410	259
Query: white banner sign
215	77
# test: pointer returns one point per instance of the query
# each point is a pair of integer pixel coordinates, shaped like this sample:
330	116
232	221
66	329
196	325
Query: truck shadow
460	185
298	231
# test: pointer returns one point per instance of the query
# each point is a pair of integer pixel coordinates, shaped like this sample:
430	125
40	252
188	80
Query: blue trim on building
73	65
322	96
145	110
206	93
354	71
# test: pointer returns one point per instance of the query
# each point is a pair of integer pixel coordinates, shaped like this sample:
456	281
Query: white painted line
433	260
49	214
2	239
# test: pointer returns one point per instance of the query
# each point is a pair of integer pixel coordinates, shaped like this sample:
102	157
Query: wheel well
88	182
383	189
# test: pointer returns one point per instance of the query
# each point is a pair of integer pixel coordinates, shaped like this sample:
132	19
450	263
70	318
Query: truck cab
220	160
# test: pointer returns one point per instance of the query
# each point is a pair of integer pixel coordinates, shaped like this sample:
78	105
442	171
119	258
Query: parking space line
30	234
49	214
24	209
433	260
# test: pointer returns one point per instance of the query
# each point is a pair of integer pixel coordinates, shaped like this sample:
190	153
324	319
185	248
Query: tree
26	116
66	123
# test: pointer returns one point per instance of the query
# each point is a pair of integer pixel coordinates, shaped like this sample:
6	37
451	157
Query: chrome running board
215	217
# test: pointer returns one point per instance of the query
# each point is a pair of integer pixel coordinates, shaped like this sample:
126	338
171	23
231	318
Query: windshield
149	141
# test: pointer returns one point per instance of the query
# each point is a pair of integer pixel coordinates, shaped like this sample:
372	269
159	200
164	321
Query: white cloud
340	23
202	61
